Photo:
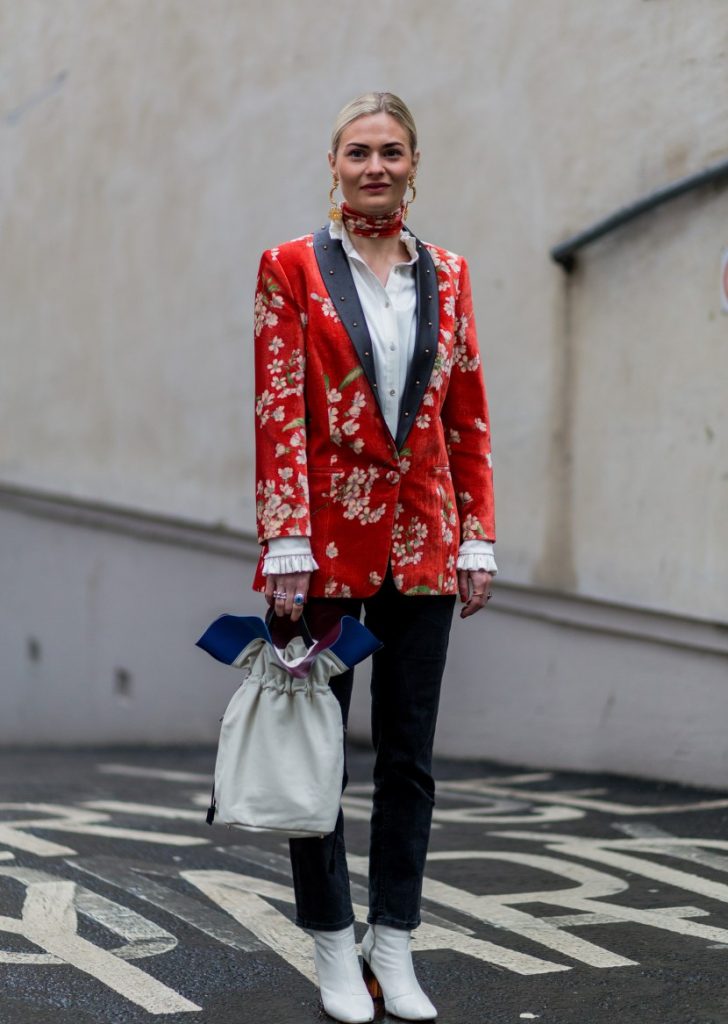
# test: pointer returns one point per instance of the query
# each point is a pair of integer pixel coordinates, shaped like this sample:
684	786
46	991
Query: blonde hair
374	103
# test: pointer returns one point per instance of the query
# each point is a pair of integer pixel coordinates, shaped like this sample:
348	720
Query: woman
374	489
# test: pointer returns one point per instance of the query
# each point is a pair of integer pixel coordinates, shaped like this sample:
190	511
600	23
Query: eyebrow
363	145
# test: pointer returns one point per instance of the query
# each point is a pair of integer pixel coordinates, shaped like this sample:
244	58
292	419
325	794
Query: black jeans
405	687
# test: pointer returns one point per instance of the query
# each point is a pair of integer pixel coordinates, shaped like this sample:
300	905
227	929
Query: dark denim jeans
405	688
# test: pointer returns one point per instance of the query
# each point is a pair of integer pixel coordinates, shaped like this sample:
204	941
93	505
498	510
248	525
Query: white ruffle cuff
477	554
288	554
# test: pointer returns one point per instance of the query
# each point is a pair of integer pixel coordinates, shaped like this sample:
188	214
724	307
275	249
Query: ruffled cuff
288	554
280	565
477	554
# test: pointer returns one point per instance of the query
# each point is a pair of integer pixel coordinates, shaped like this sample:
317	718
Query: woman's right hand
291	585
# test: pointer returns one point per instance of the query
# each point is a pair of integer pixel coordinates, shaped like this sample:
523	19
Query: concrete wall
150	152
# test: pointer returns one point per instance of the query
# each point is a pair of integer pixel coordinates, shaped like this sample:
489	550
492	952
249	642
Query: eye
355	153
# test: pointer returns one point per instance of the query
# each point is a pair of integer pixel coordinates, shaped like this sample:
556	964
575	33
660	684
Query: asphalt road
557	898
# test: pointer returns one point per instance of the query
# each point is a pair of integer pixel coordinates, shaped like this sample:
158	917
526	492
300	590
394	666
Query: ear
332	162
415	161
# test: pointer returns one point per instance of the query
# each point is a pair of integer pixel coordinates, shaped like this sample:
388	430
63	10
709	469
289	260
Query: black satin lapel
428	332
336	275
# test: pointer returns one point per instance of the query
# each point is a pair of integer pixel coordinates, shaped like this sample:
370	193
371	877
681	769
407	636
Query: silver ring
279	595
298	599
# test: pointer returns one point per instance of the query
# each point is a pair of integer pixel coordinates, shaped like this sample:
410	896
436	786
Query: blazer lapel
339	283
428	332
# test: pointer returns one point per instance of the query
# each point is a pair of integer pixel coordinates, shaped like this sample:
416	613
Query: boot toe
351	1009
413	1006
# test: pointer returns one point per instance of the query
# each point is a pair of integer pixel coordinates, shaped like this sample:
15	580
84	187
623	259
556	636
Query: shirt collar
337	230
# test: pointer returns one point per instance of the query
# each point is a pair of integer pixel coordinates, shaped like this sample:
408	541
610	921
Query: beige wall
151	150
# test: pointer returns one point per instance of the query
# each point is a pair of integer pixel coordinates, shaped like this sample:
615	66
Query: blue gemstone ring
298	599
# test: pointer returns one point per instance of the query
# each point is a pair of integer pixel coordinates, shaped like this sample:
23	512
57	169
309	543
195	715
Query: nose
374	164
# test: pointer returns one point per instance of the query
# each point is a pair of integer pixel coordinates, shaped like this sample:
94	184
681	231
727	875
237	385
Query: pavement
549	897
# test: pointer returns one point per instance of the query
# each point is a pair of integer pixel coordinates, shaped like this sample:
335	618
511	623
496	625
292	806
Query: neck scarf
371	225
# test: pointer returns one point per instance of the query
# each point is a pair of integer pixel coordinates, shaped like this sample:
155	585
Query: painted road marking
49	920
67	818
130	877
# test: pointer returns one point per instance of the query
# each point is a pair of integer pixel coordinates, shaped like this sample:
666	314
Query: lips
375	188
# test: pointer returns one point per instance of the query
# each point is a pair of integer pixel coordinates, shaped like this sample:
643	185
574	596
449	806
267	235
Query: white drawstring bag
280	757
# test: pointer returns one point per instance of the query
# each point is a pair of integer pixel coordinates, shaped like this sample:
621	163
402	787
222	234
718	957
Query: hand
474	587
291	584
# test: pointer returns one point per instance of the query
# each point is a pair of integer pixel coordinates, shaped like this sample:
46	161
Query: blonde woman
374	491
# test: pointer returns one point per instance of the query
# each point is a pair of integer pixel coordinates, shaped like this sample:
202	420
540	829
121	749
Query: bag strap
305	632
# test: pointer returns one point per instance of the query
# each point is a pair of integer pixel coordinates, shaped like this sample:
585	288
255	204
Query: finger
463	584
300	588
280	596
476	602
270	586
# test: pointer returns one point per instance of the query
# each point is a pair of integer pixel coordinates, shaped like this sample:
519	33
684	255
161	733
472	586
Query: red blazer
327	466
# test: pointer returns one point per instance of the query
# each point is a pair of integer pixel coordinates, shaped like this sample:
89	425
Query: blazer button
392	477
331	271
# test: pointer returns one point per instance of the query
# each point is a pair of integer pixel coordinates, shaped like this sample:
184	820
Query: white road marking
195	912
49	921
581	898
573	799
145	810
606	851
244	898
64	818
144	938
139	772
499	910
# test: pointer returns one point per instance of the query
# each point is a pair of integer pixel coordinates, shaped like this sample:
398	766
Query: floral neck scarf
371	226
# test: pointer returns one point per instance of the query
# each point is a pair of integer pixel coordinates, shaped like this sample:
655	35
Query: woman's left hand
474	587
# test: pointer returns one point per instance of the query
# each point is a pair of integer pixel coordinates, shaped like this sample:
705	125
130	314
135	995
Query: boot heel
375	989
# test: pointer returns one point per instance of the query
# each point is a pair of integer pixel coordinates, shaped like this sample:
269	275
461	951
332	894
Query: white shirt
391	314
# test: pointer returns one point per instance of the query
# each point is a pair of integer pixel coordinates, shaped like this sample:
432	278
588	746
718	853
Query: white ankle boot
386	952
343	991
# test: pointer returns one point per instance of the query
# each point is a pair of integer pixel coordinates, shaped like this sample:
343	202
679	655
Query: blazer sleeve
467	424
281	487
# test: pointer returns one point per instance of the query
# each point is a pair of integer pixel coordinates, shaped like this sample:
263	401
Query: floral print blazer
327	466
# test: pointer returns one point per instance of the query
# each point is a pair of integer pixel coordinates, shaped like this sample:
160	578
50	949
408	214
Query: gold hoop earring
411	184
335	209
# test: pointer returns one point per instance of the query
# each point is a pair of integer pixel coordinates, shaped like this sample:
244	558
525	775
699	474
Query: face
373	163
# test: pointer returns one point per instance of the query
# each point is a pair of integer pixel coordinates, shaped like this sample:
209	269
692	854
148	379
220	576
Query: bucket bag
280	756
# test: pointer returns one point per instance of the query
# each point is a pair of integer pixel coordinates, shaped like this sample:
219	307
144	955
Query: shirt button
386	305
391	348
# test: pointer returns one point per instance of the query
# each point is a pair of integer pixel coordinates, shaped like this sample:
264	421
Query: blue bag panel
354	642
228	635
